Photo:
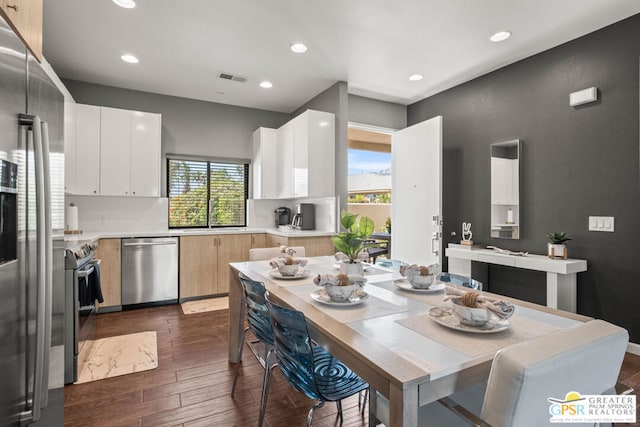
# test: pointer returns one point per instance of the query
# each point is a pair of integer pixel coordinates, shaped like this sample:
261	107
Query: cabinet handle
13	6
95	191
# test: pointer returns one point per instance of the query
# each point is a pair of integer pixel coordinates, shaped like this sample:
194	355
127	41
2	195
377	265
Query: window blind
207	193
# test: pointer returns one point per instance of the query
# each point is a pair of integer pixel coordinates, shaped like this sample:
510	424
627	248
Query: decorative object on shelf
467	235
507	251
351	244
556	248
341	287
510	216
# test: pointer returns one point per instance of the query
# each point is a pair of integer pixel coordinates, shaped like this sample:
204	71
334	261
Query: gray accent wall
335	100
576	162
378	113
189	126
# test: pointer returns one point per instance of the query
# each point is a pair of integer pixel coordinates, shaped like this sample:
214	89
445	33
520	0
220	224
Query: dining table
392	335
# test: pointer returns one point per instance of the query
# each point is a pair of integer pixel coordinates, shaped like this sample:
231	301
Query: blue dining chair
310	369
260	325
456	279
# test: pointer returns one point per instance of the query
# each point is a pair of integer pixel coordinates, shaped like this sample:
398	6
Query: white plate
444	316
365	266
321	296
406	286
299	275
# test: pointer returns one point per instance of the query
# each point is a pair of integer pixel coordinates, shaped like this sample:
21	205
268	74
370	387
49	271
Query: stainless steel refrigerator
31	233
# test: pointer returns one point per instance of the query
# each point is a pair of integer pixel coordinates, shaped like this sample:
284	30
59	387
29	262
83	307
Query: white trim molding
633	348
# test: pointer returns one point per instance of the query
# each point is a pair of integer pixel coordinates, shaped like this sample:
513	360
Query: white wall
102	213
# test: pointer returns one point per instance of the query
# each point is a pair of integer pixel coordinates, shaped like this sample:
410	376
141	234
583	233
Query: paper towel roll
72	217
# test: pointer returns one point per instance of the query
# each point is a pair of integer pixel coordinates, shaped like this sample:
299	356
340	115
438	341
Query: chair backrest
585	359
293	349
457	279
261	254
257	311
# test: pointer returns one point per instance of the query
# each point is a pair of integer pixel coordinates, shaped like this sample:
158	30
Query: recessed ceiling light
500	36
130	59
265	84
127	4
299	47
416	77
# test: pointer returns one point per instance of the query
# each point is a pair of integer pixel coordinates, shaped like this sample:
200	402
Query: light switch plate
601	223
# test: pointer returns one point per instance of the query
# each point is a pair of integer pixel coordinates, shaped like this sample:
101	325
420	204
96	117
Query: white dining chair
261	254
586	359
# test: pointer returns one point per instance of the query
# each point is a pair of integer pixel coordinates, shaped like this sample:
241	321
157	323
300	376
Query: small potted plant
556	248
351	244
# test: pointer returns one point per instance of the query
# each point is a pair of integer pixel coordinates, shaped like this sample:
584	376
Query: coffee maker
283	216
305	217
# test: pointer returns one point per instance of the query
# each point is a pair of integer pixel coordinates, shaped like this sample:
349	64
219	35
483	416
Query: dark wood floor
191	385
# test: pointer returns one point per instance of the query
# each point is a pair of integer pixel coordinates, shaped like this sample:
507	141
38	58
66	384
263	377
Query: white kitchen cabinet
264	164
284	172
69	147
145	154
117	153
306	156
87	150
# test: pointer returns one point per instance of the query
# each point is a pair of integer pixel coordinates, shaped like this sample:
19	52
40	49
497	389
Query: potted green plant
351	244
556	248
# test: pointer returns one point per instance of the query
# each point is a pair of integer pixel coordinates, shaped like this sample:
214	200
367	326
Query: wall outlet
102	219
601	223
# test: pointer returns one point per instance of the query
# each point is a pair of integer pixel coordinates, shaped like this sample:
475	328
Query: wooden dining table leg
403	406
236	316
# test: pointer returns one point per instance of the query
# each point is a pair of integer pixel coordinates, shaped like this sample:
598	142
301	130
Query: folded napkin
500	308
285	252
277	262
334	279
413	270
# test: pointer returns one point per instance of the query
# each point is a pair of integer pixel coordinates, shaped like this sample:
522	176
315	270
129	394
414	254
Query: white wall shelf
561	273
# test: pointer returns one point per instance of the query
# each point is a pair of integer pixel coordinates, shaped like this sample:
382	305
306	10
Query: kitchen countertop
77	239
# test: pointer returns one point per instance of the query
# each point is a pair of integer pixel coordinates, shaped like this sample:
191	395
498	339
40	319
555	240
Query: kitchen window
207	193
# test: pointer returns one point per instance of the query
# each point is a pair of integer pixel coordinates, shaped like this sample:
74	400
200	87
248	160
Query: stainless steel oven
82	270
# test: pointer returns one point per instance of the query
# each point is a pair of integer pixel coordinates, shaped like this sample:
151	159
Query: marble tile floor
118	355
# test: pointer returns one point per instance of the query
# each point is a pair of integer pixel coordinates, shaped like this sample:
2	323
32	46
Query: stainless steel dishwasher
149	270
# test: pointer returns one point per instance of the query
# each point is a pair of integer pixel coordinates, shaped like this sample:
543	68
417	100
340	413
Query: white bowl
472	316
340	293
288	270
422	282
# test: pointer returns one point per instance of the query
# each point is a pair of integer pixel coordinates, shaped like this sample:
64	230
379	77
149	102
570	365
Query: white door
416	182
115	151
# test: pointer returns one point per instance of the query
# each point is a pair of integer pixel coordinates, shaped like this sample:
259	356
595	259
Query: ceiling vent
229	76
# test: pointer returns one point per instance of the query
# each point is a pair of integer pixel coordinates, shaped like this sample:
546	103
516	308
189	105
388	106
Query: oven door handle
87	272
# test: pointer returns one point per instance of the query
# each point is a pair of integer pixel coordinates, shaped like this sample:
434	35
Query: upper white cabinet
87	152
264	164
117	152
146	153
306	156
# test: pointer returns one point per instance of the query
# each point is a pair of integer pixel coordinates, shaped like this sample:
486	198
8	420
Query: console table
561	273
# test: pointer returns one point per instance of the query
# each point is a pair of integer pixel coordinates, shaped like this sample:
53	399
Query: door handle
150	244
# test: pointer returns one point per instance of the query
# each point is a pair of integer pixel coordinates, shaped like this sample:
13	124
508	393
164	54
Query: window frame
208	160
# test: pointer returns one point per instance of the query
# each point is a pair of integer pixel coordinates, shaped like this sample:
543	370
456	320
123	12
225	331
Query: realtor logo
577	408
